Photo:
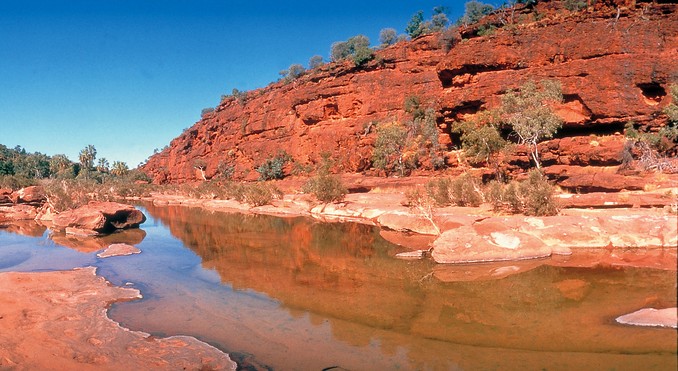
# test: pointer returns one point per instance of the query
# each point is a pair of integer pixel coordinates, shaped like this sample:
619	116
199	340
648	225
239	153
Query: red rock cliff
614	63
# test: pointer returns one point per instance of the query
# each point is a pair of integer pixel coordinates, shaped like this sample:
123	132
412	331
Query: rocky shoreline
58	320
470	235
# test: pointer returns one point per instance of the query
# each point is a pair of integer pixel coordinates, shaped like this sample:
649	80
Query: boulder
33	195
101	217
17	212
5	197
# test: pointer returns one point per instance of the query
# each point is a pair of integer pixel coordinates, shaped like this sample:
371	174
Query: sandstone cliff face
613	69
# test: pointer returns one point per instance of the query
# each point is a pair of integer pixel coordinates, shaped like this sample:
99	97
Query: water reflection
343	276
297	294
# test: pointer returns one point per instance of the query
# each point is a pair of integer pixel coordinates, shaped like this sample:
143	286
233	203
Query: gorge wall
615	63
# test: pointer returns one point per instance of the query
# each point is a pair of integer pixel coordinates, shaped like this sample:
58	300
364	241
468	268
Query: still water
296	294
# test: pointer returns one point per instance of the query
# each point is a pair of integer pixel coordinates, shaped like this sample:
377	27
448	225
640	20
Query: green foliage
534	196
481	139
654	147
465	191
528	112
414	28
225	170
399	148
259	194
439	20
325	186
412	106
119	168
388	36
272	168
486	30
293	72
671	110
474	11
15	182
438	191
389	147
103	165
574	5
357	48
206	111
417	26
538	195
315	62
239	96
87	156
425	130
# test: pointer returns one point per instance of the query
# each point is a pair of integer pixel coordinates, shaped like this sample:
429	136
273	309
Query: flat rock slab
118	249
666	317
486	242
57	321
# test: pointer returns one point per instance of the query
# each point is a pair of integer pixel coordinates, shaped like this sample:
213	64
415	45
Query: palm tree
119	168
102	165
87	157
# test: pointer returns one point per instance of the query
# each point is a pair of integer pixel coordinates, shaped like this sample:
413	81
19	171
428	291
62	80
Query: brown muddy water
296	294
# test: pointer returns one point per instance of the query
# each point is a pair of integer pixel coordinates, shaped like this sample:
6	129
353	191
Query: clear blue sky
127	76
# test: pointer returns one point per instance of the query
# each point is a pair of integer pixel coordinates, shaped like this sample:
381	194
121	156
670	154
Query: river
297	294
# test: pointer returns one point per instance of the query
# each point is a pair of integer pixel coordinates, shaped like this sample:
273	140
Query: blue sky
127	76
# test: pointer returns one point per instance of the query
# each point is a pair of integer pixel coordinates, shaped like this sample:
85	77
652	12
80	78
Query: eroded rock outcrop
99	217
612	70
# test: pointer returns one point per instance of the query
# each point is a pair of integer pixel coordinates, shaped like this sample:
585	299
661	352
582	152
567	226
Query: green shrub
325	186
481	139
259	194
357	48
272	168
538	195
474	11
655	148
315	62
439	191
70	194
534	196
389	150
15	182
465	191
574	5
388	36
671	110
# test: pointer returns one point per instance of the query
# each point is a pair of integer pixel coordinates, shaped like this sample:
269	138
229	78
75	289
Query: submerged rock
101	217
118	249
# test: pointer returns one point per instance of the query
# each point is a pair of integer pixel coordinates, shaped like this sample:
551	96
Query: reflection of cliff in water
342	270
346	272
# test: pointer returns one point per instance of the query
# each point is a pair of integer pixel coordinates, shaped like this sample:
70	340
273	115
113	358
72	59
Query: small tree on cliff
200	165
474	11
529	113
388	36
356	47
